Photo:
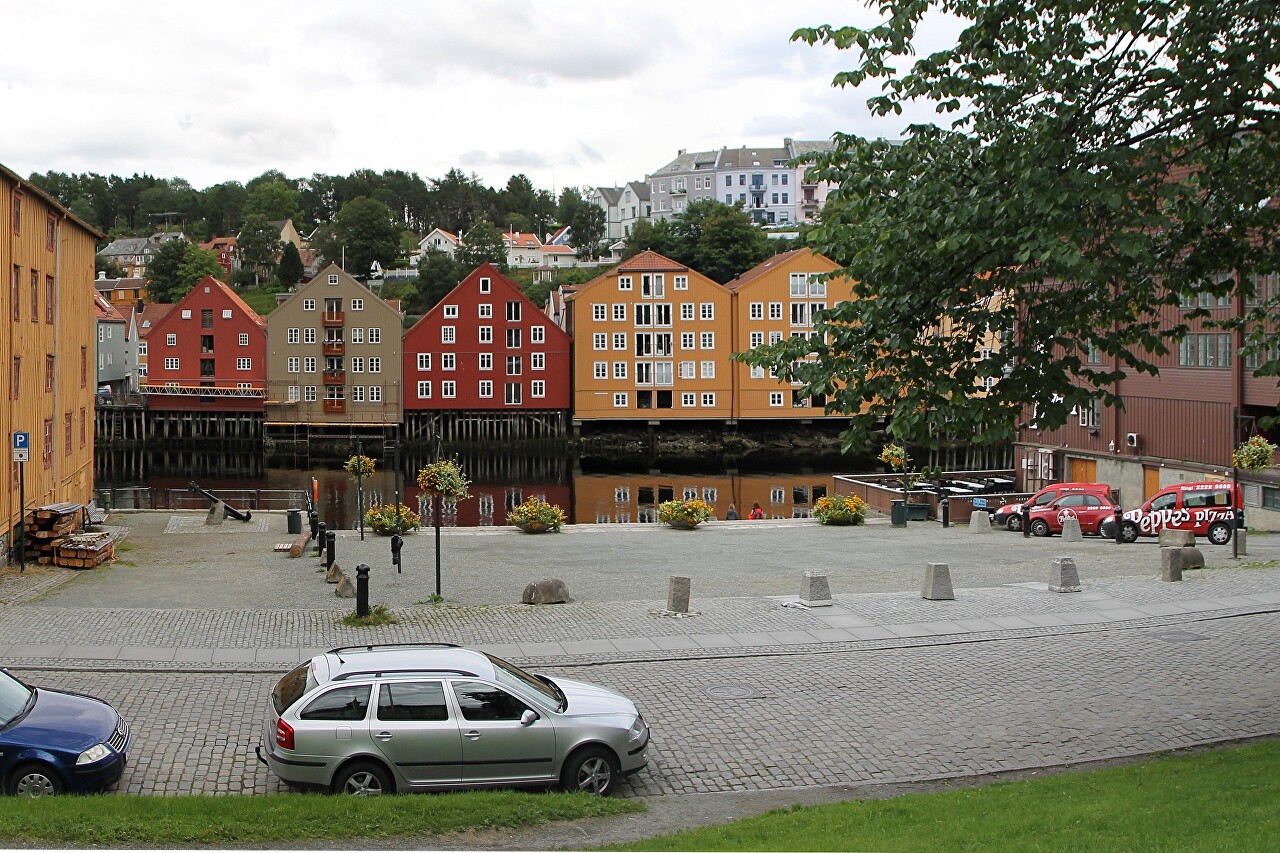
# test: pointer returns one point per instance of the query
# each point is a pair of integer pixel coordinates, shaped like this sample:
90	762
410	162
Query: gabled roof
152	314
751	158
686	161
104	311
557	249
120	283
126	246
560	238
610	194
773	263
220	243
640	188
651	261
521	240
258	319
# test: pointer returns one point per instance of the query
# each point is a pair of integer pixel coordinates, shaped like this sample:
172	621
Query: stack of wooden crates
52	538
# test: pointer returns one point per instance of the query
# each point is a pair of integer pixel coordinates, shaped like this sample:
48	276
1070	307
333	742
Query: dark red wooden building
208	353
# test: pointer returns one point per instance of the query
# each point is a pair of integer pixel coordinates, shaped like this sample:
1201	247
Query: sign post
22	453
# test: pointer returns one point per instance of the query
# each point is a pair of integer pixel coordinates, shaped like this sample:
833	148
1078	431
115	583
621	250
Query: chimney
102	275
681	152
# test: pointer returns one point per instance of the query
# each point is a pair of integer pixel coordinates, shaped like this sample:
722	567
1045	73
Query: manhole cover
1178	636
734	691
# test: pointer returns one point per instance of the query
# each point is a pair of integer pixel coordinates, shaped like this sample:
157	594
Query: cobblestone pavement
187	631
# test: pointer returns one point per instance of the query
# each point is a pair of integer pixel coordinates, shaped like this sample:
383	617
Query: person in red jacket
756	511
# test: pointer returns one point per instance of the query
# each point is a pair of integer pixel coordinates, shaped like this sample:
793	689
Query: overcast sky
570	93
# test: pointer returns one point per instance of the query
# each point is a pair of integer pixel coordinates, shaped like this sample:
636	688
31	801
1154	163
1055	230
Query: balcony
335	407
332	347
334	377
332	319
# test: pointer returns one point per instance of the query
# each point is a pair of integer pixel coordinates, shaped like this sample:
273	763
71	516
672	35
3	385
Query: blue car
54	742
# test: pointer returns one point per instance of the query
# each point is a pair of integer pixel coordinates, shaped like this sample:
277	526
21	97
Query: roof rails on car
371	646
379	673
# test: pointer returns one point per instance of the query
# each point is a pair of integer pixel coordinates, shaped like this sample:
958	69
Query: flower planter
683	525
535	527
840	522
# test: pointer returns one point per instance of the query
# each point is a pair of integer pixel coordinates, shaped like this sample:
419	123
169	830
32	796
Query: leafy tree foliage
437	275
585	221
647	234
716	239
362	233
176	267
483	242
1108	162
273	201
258	246
196	264
290	270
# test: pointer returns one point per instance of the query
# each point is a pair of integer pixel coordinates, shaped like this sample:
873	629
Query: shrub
840	509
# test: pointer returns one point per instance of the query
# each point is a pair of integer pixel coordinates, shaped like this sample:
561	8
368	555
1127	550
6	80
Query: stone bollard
1170	563
1063	577
1192	558
815	591
1175	538
1071	530
1241	543
334	574
678	594
980	521
937	583
217	513
345	588
545	591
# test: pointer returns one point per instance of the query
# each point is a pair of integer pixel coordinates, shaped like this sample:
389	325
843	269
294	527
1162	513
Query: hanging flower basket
537	516
381	518
359	466
840	510
444	478
683	515
1254	454
895	456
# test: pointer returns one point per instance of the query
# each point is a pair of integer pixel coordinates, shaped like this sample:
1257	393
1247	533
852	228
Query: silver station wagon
386	718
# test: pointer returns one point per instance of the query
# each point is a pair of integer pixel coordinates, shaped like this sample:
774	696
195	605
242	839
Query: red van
1010	515
1207	509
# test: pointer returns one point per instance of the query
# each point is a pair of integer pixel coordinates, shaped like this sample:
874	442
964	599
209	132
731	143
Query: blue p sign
21	441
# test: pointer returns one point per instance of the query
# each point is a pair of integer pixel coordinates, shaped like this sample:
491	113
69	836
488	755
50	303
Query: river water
162	481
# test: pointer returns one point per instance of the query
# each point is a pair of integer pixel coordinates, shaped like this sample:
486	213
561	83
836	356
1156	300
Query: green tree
718	240
1107	162
273	201
649	235
163	271
290	270
437	275
585	221
363	232
483	242
196	264
258	246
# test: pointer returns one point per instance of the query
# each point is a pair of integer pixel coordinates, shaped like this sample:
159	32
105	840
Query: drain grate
1178	636
734	691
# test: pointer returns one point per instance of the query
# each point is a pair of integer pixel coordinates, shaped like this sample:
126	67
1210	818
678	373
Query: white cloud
570	93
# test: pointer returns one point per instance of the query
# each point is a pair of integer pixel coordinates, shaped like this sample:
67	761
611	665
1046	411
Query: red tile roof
650	261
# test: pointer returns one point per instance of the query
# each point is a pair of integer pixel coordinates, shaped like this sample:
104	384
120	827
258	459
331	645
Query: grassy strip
1220	801
133	821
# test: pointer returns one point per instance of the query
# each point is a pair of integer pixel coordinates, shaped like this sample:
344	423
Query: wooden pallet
84	551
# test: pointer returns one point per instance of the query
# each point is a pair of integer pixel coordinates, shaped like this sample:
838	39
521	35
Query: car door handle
383	736
471	735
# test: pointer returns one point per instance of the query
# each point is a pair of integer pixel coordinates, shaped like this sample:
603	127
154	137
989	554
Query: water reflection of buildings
620	498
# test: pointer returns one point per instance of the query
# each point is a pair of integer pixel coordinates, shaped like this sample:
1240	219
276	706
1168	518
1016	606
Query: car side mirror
528	717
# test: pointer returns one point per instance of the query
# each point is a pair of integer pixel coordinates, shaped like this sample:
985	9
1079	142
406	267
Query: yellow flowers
382	519
684	513
840	509
1253	454
359	466
444	478
536	516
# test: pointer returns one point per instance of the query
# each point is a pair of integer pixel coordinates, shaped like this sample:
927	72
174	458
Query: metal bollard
1026	520
1119	520
330	545
946	512
313	520
397	542
362	590
320	533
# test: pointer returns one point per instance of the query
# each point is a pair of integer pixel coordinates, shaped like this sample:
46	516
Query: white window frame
706	340
601	369
424	361
244	364
424	389
243	339
485	388
620	399
448	334
708	399
451	312
449	389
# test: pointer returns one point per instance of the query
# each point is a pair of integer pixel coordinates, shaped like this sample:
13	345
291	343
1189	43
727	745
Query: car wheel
35	780
1014	522
1129	532
1039	527
592	769
363	779
1219	533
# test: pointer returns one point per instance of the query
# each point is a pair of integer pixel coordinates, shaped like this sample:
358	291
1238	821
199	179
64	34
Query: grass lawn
1226	800
132	821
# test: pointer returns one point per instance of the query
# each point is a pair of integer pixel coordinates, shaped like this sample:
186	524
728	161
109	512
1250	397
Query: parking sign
21	446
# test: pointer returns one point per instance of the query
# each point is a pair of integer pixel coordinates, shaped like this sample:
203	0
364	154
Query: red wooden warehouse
486	348
208	353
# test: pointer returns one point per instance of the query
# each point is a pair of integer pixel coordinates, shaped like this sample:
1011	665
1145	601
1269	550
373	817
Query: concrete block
1063	577
678	594
217	513
980	521
1192	558
545	591
345	588
815	591
1170	563
334	574
1241	543
937	583
1071	530
1175	538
